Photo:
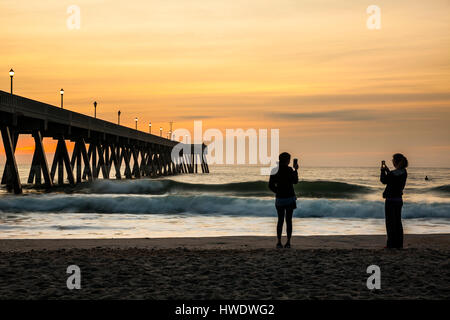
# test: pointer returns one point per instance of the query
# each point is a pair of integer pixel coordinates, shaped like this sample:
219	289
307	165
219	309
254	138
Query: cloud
360	98
339	115
197	117
365	114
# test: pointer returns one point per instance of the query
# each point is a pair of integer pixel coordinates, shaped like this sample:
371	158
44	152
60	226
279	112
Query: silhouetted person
395	183
282	182
426	178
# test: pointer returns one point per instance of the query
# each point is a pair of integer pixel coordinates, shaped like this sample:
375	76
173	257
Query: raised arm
384	176
294	176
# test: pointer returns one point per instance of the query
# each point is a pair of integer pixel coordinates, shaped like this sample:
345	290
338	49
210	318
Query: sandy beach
316	267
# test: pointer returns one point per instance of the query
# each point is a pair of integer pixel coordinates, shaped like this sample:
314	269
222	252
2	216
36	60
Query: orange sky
340	94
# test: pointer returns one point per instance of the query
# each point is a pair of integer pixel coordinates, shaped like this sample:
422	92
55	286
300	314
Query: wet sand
316	267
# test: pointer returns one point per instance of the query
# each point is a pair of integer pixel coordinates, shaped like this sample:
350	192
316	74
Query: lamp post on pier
160	131
11	74
136	120
118	117
62	96
95	109
150	127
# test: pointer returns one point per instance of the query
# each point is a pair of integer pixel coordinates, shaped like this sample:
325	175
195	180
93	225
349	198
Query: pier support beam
89	167
152	162
115	155
143	165
60	161
12	178
141	160
80	157
183	163
101	162
39	165
125	155
204	163
14	137
136	168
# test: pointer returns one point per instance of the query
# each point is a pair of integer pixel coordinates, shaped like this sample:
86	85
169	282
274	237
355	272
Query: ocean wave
441	189
210	205
309	189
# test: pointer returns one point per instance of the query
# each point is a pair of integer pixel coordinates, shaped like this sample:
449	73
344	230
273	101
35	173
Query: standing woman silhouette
281	182
395	182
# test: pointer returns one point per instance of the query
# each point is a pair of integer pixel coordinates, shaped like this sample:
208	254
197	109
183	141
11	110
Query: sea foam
210	205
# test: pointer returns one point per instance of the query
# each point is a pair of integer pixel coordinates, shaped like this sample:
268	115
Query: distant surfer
395	182
282	182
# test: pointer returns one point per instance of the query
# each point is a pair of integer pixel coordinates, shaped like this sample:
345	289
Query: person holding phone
282	180
395	182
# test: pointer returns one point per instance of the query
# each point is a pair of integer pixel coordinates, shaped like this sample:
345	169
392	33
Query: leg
289	213
389	215
280	212
398	225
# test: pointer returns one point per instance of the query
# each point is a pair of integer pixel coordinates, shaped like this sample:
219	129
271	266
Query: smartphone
295	162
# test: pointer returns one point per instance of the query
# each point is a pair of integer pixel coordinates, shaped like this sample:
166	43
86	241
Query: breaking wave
209	205
309	189
441	189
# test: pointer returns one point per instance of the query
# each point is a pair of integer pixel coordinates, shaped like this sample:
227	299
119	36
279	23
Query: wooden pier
109	145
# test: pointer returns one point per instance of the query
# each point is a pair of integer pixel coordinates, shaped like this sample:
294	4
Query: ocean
229	201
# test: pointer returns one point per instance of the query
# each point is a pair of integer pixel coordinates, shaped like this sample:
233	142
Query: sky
341	94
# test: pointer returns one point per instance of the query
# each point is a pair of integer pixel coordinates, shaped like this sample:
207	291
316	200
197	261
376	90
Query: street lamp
62	95
160	131
95	109
170	134
118	117
11	74
136	120
150	127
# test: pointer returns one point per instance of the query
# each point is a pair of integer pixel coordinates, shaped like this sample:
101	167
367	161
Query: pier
99	146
